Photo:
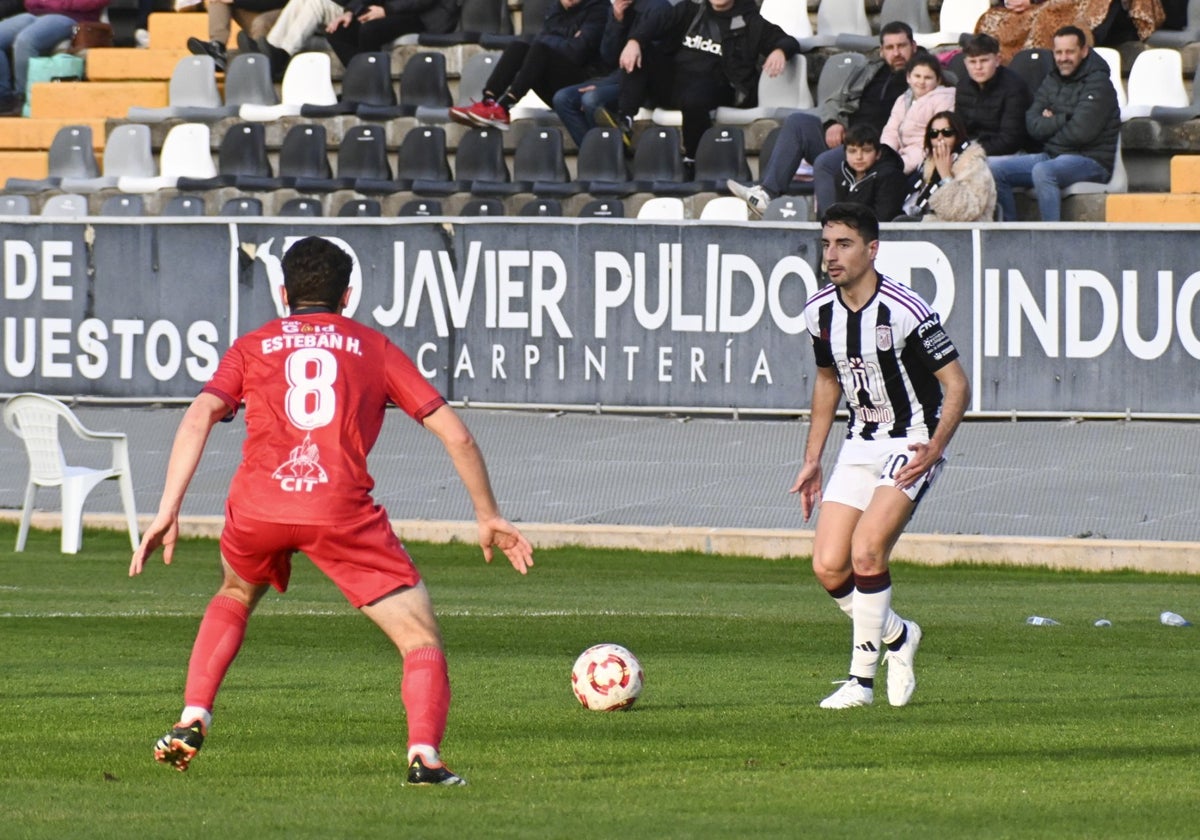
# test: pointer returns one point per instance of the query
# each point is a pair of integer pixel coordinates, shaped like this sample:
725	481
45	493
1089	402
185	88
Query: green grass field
1015	731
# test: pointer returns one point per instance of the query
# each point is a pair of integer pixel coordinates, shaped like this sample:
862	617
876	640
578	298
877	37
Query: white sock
846	604
191	713
870	609
429	754
893	624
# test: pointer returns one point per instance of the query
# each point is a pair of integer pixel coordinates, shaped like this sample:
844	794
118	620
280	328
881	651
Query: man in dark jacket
710	57
368	26
567	50
1076	118
992	100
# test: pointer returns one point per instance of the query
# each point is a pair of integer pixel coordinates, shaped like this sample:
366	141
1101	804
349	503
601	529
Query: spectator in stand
255	17
367	28
868	176
866	98
576	104
1076	118
956	184
713	54
992	99
1020	24
300	19
926	95
33	32
567	50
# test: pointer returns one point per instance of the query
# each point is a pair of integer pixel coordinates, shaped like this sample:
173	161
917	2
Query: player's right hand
164	532
498	532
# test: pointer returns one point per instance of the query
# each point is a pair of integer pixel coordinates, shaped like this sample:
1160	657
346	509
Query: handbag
50	68
88	34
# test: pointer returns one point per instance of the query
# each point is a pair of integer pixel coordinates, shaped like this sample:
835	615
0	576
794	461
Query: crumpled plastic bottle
1041	621
1174	619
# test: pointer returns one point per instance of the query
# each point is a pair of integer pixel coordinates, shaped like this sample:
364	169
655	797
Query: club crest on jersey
302	471
883	336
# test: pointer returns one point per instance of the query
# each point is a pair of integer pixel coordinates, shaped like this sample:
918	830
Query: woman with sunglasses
956	184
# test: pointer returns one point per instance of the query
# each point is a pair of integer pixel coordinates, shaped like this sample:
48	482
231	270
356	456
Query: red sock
425	690
217	643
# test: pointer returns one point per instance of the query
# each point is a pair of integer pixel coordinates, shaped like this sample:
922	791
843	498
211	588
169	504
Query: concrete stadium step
91	100
1185	174
24	165
35	135
170	30
1153	208
121	64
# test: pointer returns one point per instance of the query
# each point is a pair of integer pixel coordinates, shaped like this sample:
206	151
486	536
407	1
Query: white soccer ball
606	678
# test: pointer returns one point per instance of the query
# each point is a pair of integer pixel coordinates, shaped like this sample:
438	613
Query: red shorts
364	557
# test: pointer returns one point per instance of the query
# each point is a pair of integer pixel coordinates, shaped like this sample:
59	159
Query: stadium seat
476	18
721	156
243	153
1118	183
362	164
474	76
366	82
788	208
603	208
424	91
537	158
303	154
301	206
664	208
307	81
1171	115
834	18
1179	38
70	156
1115	75
601	159
242	206
789	15
34	418
65	206
542	207
193	86
1155	78
422	157
123	205
532	107
186	152
1032	65
657	160
483	207
183	205
913	12
480	159
727	208
836	70
956	19
248	82
420	207
127	152
361	208
776	96
14	205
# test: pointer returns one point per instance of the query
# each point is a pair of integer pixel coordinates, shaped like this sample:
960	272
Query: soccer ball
606	678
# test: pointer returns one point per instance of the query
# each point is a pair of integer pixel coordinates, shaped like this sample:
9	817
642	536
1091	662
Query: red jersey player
315	385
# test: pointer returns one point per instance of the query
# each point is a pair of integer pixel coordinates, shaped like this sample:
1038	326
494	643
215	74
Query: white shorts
855	478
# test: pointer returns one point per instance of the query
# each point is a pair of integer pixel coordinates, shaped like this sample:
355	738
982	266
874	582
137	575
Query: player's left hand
498	532
163	532
925	455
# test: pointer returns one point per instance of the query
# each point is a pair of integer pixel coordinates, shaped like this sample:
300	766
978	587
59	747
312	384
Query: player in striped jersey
879	345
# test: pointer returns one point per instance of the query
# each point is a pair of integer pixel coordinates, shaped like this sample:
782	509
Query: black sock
898	642
506	101
865	682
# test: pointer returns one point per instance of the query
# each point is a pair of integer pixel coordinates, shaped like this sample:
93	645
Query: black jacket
1086	118
882	189
437	16
575	33
736	40
995	111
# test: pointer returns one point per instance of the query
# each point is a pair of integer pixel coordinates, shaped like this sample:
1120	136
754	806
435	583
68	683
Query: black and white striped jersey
885	356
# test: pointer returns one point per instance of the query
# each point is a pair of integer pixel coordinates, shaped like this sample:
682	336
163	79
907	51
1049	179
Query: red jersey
315	386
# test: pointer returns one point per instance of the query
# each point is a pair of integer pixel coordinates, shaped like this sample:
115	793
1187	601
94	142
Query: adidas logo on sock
868	647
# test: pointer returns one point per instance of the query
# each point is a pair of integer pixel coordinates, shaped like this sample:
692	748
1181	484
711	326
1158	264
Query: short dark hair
981	44
316	273
895	27
855	216
1074	31
862	134
924	59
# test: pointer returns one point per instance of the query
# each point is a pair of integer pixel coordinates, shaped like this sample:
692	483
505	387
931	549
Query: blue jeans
801	138
26	36
1046	175
577	107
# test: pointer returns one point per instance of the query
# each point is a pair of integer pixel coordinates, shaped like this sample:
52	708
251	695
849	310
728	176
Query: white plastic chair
662	208
34	418
1117	183
786	92
186	153
834	18
725	208
789	15
307	81
1155	78
957	17
1114	72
